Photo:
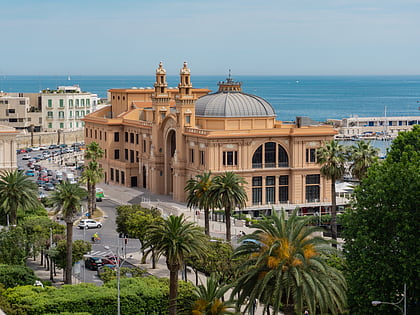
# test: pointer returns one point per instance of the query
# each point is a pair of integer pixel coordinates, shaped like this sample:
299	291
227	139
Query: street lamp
403	299
118	264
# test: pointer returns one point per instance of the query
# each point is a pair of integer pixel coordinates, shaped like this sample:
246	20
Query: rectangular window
11	111
112	173
126	154
257	190
71	114
71	103
310	155
96	134
230	158
188	119
117	176
270	189
137	156
191	155
100	134
131	137
283	188
116	154
202	157
137	138
22	102
77	102
61	125
71	125
87	102
86	132
126	136
131	156
61	102
49	125
122	177
82	102
60	114
50	114
144	146
105	136
116	136
49	103
312	188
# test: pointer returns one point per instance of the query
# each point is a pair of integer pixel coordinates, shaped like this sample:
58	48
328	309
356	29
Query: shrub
15	275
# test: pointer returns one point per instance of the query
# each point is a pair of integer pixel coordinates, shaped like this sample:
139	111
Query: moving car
93	263
26	157
89	224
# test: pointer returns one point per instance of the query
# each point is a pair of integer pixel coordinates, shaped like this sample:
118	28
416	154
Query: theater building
159	138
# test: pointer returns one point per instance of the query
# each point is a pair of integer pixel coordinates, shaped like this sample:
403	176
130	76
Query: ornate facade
159	138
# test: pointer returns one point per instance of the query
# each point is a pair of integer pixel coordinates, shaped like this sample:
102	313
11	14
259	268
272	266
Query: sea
317	97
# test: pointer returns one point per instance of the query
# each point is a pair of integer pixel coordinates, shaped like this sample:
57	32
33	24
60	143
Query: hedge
138	296
15	275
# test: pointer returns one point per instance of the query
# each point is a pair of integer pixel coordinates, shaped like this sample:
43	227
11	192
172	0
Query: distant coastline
318	97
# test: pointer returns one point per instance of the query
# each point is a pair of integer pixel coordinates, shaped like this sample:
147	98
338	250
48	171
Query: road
109	239
108	234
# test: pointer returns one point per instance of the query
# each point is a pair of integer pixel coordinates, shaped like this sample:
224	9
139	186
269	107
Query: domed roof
230	101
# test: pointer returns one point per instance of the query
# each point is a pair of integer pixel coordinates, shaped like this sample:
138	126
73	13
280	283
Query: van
99	194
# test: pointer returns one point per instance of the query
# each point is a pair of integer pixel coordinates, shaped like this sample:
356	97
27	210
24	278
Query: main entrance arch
170	149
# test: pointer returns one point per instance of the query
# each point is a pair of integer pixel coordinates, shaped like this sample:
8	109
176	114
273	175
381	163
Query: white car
89	224
26	157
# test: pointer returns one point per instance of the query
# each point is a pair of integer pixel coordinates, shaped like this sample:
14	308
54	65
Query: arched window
274	156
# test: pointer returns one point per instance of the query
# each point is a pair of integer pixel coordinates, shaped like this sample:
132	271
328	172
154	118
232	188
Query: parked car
30	173
26	157
63	145
43	147
49	186
36	148
50	172
93	263
42	195
21	151
40	182
89	224
53	146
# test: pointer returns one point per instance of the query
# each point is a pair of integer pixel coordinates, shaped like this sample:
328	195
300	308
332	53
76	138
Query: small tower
185	100
160	97
229	85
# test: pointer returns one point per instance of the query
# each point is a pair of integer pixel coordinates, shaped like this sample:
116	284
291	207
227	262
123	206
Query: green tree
210	299
17	191
198	190
12	246
285	267
79	249
228	192
67	199
138	223
381	230
361	157
332	158
175	238
92	173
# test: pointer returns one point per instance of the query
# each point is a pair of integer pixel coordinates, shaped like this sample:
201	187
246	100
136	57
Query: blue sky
271	37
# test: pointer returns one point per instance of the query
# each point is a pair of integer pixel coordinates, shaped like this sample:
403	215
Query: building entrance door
133	181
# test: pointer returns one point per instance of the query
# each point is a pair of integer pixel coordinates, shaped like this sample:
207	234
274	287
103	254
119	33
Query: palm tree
284	264
209	299
362	157
332	158
228	193
92	174
67	198
175	238
198	189
17	191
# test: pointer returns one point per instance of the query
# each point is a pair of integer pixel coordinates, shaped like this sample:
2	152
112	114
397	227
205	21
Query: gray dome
232	104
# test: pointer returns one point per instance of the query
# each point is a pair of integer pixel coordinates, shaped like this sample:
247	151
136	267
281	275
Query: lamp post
403	299
118	264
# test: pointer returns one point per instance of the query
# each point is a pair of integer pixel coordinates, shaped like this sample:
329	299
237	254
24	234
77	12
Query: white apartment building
63	108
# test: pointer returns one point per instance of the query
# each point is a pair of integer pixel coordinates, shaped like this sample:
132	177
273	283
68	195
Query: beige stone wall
47	138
